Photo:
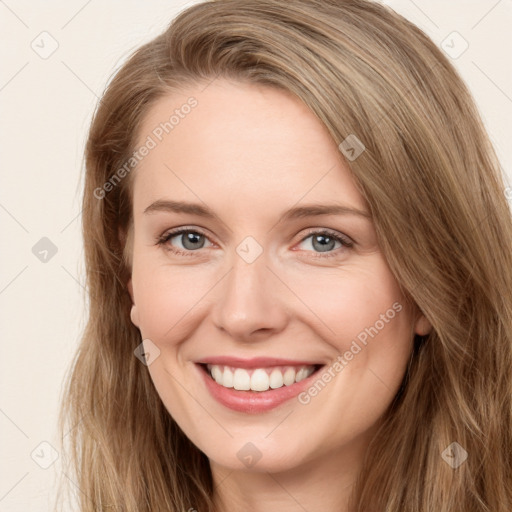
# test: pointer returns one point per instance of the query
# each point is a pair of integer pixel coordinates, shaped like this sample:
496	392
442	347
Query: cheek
363	315
168	298
355	302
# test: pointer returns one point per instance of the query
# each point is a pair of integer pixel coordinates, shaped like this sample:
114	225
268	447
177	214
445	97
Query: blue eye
322	241
325	241
191	240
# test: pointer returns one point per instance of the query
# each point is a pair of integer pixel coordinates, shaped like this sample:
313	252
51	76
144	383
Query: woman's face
262	272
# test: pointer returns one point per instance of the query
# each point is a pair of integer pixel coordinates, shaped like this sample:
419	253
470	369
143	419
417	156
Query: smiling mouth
258	379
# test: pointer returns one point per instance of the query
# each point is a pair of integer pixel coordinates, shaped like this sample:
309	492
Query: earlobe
134	315
422	326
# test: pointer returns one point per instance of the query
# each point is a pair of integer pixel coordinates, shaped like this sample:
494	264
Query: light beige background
46	102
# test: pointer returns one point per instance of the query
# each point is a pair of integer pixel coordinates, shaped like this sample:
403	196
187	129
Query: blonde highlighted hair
437	198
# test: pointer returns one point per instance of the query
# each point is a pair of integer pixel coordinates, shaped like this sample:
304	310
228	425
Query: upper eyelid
179	231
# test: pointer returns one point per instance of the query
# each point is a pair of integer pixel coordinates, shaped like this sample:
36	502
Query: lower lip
254	401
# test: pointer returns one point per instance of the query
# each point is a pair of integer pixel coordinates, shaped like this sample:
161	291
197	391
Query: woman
340	336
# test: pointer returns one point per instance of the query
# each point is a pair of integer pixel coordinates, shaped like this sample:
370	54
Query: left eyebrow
312	210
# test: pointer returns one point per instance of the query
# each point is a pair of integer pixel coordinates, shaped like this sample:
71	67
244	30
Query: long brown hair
435	190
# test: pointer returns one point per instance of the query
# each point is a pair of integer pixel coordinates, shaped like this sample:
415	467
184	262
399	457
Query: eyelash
345	241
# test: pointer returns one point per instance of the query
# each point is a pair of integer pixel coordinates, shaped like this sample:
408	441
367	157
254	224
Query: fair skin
249	153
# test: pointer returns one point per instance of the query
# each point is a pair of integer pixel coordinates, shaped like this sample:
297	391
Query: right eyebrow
180	207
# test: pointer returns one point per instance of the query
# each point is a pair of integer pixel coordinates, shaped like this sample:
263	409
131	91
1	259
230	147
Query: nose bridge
249	298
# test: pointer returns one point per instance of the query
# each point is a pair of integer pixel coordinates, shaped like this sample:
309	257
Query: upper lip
255	362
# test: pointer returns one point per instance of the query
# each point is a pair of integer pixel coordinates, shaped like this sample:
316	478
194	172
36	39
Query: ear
130	289
134	314
422	325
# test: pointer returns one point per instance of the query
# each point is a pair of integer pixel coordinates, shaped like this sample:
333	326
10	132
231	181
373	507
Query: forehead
239	140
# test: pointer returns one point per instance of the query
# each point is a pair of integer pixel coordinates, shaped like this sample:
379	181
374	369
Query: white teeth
227	378
241	380
260	379
276	379
301	375
217	374
289	377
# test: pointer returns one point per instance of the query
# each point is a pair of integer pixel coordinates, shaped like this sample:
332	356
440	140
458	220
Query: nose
250	303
